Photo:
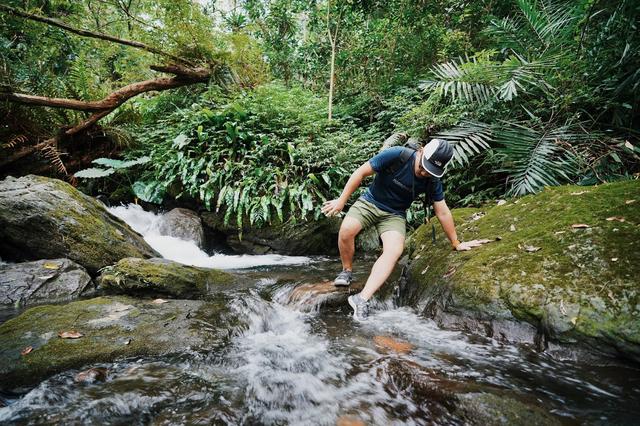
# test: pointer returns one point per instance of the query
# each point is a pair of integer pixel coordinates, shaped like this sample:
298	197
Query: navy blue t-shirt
394	192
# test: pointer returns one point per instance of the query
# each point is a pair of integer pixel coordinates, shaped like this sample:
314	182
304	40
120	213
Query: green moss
113	327
572	267
160	276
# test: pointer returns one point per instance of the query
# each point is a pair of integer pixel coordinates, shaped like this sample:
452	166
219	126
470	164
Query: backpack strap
397	164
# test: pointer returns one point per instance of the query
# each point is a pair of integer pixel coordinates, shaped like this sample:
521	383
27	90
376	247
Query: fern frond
51	154
15	141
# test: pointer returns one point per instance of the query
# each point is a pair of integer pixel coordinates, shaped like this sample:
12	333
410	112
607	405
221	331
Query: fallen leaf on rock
91	375
614	259
574	320
424	271
502	202
387	343
580	226
559	232
70	334
160	301
51	265
531	249
630	201
349	421
26	350
450	272
512	228
579	192
618	218
417	257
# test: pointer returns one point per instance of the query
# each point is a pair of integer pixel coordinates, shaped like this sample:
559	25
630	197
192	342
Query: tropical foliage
530	93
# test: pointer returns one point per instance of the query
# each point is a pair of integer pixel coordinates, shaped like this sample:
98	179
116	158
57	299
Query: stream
295	363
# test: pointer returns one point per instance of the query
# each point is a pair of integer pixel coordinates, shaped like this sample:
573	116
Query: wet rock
42	281
388	344
41	218
312	296
162	277
489	409
184	224
301	238
113	327
569	292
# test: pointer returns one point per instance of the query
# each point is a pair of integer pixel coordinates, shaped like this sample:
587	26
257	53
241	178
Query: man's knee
392	245
349	229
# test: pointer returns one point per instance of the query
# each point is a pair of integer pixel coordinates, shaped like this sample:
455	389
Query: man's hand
468	245
332	207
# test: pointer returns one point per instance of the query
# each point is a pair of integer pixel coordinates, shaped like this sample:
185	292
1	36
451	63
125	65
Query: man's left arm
446	220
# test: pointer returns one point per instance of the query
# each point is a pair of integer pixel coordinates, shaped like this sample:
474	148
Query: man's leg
346	241
392	247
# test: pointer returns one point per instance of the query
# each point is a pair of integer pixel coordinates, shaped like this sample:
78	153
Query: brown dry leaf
390	344
450	272
630	201
580	226
72	334
91	375
160	301
26	350
618	218
50	265
531	249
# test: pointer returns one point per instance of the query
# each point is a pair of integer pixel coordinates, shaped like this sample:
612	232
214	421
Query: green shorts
369	215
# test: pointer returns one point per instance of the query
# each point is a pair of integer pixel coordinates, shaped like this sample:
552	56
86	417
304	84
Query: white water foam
187	252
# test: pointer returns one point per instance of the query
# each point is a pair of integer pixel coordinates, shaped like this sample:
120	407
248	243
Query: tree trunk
332	78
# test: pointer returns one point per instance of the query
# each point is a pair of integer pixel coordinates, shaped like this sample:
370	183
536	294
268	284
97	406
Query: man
384	205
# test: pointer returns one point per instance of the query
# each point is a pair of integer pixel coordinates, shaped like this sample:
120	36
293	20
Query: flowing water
293	365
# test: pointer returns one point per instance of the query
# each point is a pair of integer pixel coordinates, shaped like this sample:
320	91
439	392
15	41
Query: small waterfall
187	252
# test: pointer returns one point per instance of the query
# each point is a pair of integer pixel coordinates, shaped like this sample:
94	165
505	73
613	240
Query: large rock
112	328
41	218
162	277
301	238
546	279
184	224
42	281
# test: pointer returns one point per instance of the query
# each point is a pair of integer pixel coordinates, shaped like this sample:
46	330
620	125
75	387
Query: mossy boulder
162	277
43	218
567	283
42	281
112	327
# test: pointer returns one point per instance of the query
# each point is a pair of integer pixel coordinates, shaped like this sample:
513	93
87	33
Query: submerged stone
569	291
162	277
43	218
113	328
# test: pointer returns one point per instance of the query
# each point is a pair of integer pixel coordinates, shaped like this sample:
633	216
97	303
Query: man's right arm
333	207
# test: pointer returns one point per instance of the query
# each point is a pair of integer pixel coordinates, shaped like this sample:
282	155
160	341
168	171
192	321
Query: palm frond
535	158
468	139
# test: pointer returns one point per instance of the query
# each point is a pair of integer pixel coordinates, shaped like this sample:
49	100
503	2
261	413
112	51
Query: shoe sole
353	306
341	283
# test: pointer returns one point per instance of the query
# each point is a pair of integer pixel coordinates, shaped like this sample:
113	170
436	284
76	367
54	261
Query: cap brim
432	168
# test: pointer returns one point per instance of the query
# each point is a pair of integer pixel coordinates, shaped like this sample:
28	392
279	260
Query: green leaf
93	173
151	192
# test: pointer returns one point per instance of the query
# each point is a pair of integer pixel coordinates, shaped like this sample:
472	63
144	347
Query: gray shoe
360	307
343	279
